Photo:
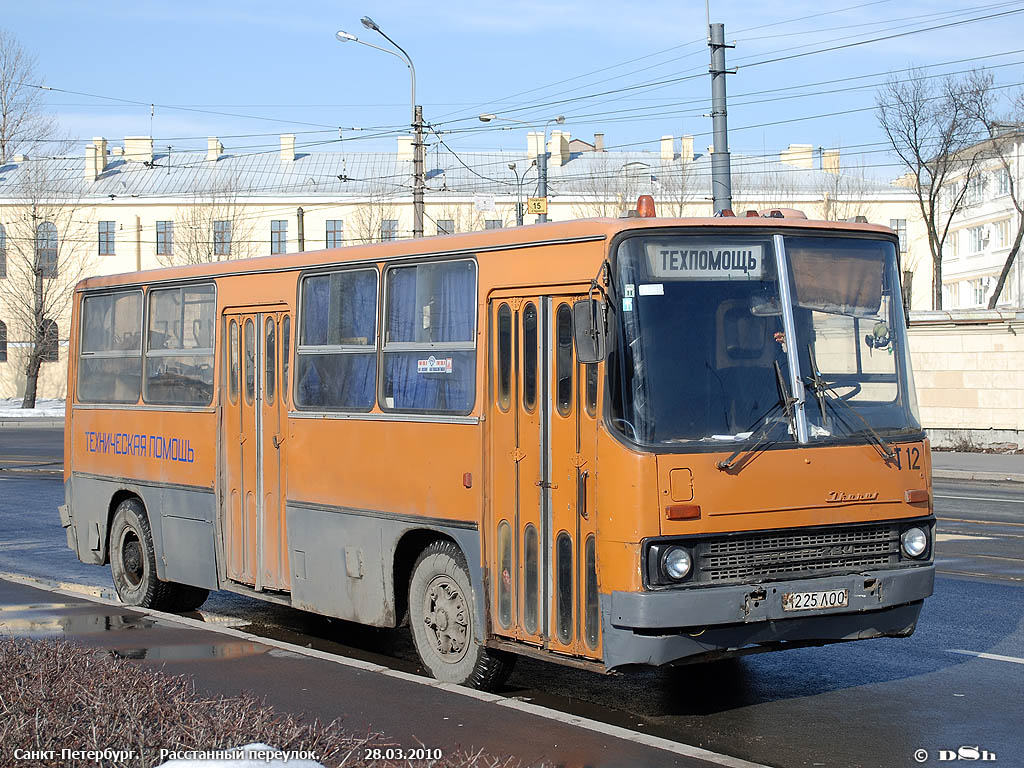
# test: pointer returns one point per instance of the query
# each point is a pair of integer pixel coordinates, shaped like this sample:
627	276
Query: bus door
256	365
540	525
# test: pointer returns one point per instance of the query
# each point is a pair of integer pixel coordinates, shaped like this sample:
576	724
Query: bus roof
469	242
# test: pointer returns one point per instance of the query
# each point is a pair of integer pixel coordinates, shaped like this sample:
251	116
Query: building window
3	342
899	226
335	233
388	230
1002	233
3	252
164	238
492	224
979	291
46	249
49	350
975	190
107	238
976	238
222	238
446	226
279	236
1002	182
951	295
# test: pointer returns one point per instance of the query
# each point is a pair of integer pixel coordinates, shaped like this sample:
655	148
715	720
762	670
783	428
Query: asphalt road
872	703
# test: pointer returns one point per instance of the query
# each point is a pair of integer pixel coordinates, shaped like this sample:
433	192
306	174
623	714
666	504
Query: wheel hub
131	559
445	614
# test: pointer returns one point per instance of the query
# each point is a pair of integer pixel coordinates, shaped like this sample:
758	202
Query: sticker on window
652	289
629	291
705	260
627	304
434	365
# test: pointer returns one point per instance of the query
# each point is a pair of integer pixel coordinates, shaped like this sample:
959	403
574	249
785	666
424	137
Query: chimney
830	161
599	142
686	149
534	140
559	148
798	155
668	149
95	158
214	149
287	147
138	149
405	153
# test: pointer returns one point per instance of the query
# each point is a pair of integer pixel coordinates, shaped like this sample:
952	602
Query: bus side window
250	361
233	362
563	359
270	362
110	357
430	338
530	356
179	346
504	356
590	370
286	353
336	365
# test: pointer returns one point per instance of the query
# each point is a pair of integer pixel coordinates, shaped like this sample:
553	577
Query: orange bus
604	442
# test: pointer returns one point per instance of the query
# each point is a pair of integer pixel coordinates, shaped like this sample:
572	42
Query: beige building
132	206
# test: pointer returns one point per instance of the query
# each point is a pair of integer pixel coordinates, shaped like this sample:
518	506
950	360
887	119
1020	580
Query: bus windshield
702	354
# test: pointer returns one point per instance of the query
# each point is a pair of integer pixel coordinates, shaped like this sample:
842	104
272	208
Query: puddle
37	620
191	652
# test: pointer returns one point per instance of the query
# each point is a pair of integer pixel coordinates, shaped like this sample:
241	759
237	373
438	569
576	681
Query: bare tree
610	187
930	124
1001	151
369	217
762	183
676	188
214	226
844	194
50	242
23	124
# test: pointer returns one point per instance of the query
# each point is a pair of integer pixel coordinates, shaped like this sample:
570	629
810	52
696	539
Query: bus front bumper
664	626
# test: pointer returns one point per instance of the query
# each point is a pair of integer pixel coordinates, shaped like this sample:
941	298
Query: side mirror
588	329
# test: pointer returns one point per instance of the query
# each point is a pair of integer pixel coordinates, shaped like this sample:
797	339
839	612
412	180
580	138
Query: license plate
810	601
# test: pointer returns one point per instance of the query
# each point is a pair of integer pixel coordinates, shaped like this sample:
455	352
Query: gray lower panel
705	606
181	520
343	562
623	647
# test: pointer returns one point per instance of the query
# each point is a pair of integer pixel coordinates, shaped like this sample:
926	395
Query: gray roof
341	175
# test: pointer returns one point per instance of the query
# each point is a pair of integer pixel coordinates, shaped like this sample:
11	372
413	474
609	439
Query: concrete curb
29	422
970	474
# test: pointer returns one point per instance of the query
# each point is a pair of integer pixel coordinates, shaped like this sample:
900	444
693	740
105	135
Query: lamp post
418	179
519	190
542	165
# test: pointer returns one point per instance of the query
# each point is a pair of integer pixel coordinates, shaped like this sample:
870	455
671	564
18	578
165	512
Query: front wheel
442	616
133	565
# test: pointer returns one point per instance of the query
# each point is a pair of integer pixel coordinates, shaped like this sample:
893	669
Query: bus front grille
778	555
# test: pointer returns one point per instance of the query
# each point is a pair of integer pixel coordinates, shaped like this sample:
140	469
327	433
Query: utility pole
419	181
542	173
721	176
301	216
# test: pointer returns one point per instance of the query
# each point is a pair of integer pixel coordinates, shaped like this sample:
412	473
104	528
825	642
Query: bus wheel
133	565
441	613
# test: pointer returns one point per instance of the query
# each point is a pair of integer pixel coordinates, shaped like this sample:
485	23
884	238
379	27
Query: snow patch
10	408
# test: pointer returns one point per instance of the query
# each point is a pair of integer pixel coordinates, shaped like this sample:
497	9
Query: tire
442	617
133	565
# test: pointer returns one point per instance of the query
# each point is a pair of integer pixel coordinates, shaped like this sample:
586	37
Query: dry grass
55	695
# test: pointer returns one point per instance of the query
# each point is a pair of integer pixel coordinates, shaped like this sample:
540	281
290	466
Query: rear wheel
133	565
442	617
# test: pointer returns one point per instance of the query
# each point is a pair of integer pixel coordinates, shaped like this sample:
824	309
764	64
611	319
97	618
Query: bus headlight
914	542
676	563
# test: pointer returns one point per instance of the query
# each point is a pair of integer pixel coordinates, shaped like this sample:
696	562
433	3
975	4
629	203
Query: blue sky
260	68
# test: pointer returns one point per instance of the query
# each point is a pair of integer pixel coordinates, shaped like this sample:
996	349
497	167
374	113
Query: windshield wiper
828	396
760	438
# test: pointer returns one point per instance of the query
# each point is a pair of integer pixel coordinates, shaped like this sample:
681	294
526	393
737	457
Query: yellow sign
537	205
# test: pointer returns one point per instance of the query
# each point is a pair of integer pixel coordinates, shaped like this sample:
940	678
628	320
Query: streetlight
519	190
542	167
418	178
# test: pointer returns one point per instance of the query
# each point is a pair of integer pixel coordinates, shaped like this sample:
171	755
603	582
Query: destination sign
705	260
